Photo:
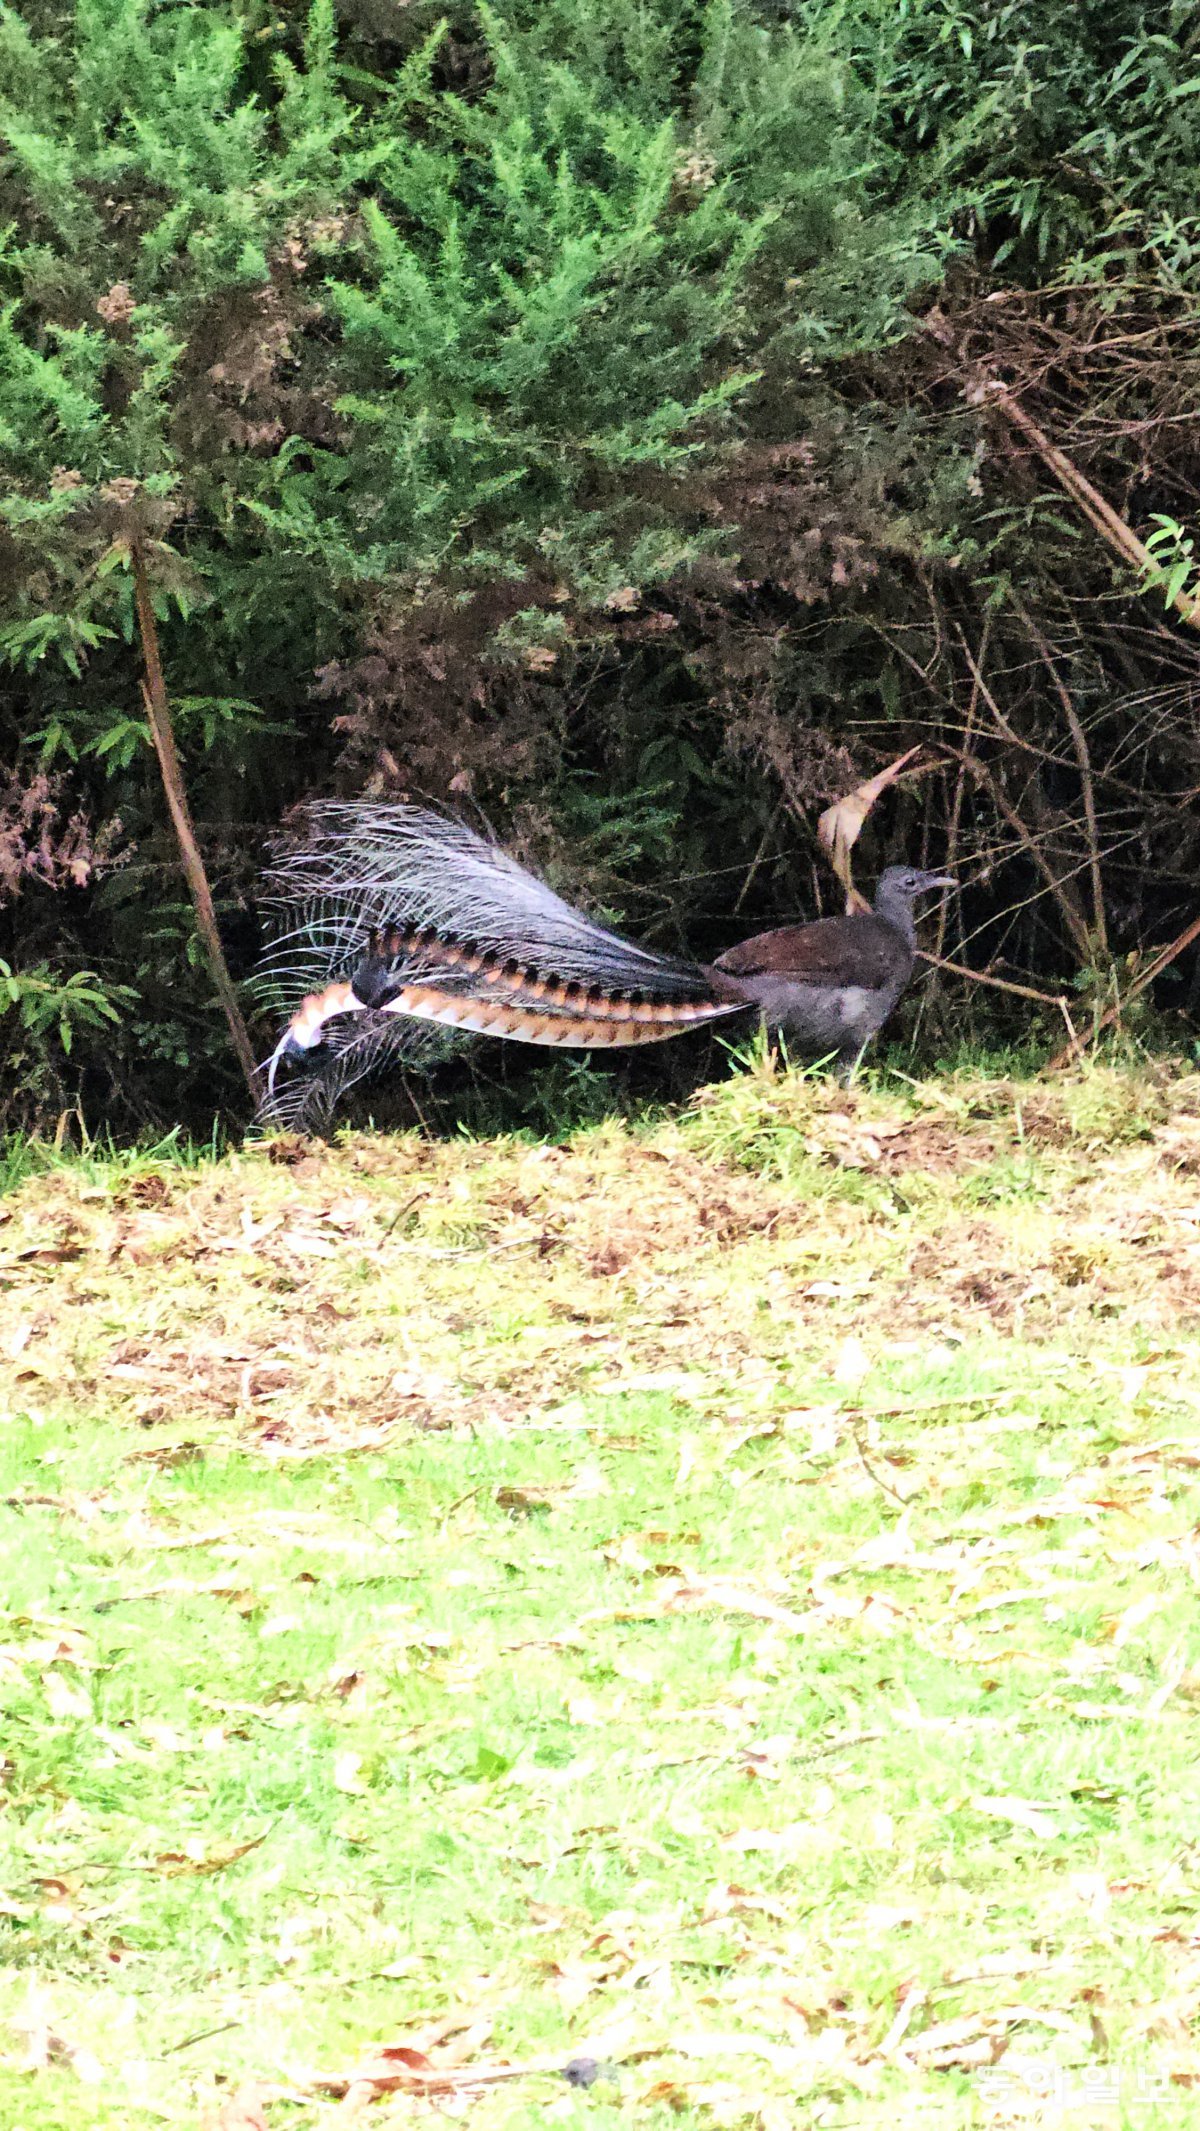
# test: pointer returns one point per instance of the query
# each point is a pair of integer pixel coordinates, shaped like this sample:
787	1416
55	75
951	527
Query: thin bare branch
1113	1013
984	976
1079	740
1099	513
162	732
1071	916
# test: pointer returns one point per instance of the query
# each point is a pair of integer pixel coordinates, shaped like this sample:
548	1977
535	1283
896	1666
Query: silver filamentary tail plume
394	924
366	867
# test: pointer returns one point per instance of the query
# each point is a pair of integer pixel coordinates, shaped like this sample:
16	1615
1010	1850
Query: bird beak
286	1052
940	880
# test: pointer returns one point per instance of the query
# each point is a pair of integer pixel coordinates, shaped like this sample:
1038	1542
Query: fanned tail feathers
392	916
351	1048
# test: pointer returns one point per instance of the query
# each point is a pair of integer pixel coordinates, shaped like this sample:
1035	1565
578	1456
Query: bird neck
896	910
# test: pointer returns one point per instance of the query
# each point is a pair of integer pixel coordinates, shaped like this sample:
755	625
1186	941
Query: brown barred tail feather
437	926
599	1023
307	1026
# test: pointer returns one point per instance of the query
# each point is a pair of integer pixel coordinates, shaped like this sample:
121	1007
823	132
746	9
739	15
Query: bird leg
846	1070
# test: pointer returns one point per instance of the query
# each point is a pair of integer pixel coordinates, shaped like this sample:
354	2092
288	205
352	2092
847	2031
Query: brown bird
440	930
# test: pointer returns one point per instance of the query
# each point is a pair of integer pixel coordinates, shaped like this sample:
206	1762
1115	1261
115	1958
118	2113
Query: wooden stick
1099	513
943	916
162	732
1074	1045
1084	759
1113	1013
1000	984
1072	917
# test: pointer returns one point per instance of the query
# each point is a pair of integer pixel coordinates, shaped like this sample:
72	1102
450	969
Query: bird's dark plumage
829	987
820	953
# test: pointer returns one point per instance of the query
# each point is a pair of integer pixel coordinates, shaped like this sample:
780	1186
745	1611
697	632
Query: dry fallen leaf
66	1703
853	1364
198	1863
399	2068
304	1245
840	825
682	1593
347	1774
240	2111
46	2047
980	2038
1020	1813
528	1498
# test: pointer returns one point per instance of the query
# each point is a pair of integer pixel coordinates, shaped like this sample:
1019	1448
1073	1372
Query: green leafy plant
367	364
1174	559
527	403
47	1020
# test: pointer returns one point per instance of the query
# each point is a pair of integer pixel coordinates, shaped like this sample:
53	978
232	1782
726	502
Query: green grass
718	1598
101	1160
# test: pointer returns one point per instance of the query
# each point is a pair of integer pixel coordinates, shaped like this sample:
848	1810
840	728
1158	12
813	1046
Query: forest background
633	419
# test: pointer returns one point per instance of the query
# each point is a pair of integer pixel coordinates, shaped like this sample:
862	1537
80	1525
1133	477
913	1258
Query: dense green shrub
523	400
418	352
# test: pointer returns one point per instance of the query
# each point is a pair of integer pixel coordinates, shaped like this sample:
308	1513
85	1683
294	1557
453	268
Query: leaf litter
771	1540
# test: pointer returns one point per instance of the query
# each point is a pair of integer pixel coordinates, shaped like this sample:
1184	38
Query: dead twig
399	1214
1071	916
1113	1013
162	732
1000	984
837	1746
1074	1044
204	2034
960	784
1087	785
871	1473
759	856
1096	508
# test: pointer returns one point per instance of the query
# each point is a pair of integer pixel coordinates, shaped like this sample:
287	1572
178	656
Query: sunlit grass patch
606	1601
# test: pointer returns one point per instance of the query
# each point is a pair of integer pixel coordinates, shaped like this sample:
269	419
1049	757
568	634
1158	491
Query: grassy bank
715	1601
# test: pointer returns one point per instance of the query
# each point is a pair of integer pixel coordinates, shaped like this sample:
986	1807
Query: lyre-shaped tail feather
351	1048
425	920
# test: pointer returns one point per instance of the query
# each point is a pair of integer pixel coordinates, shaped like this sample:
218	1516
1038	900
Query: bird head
905	883
899	887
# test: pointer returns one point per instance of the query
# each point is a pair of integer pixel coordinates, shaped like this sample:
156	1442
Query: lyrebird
398	920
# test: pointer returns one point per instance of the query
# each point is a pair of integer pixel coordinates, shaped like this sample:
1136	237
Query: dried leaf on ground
200	1863
240	2111
1025	1813
44	2046
399	2068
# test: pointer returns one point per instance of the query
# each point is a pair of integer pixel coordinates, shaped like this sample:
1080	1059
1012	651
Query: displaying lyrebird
399	924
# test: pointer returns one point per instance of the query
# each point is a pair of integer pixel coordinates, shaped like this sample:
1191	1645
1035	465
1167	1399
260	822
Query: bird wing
831	952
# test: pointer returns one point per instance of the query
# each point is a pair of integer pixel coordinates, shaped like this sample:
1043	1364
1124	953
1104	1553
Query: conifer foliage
589	405
378	343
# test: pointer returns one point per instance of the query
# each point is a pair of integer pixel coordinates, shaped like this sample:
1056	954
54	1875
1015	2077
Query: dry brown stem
162	732
1086	780
984	976
1113	1013
1099	513
1071	916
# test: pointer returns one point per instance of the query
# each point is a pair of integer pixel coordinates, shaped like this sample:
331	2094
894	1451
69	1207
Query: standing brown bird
439	929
